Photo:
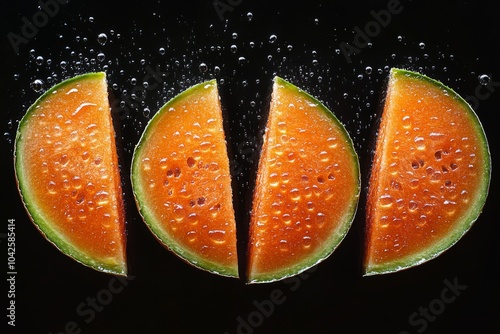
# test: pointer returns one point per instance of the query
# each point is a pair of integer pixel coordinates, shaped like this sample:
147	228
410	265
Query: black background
53	293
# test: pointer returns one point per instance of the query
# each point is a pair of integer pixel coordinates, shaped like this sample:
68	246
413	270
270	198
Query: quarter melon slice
430	174
307	187
182	184
67	171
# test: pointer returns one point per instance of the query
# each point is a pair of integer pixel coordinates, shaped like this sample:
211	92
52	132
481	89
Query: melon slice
307	187
68	176
182	184
430	174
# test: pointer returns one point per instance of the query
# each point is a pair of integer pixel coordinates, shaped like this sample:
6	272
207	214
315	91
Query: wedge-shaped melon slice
307	187
430	174
68	176
182	184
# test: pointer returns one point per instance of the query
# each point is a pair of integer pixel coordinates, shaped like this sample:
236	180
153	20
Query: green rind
138	191
466	223
336	238
43	223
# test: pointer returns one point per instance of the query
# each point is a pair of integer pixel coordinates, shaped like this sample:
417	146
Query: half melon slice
430	174
307	187
182	184
68	175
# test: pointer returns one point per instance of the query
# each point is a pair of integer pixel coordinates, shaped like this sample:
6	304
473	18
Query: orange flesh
71	169
426	171
185	176
305	186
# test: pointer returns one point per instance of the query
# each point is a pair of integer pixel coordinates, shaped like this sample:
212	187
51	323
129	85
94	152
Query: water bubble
39	60
249	16
101	197
484	79
51	187
241	60
306	242
102	38
413	205
178	212
295	194
368	70
386	200
161	51
406	121
419	141
191	236
101	56
233	48
203	67
283	245
273	38
235	35
217	236
421	45
37	85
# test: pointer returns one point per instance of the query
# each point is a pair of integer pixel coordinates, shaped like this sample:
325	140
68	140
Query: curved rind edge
476	209
35	216
163	238
334	242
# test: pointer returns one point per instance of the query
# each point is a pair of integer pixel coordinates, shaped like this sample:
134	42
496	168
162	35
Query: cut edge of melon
119	267
336	238
148	216
441	246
